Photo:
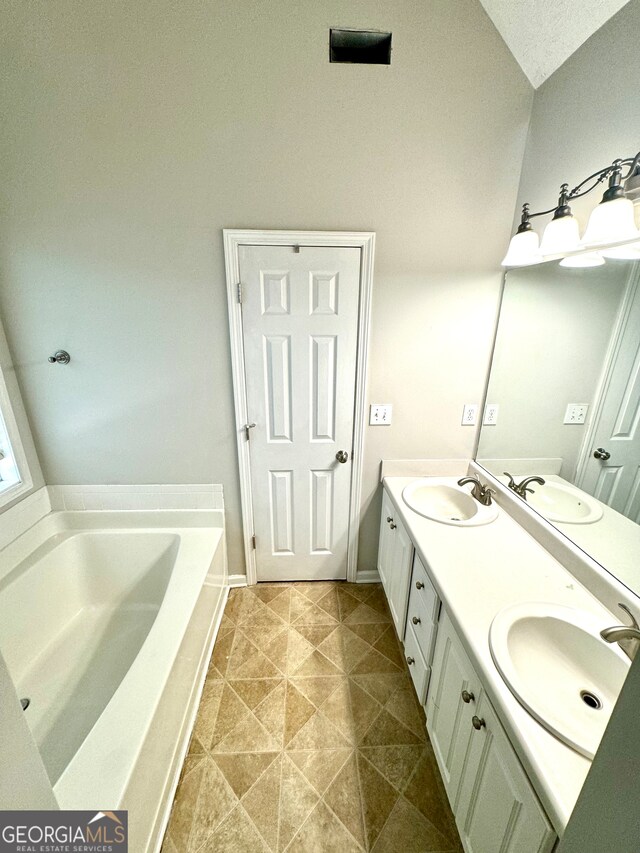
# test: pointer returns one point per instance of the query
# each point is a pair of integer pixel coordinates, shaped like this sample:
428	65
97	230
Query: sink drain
590	699
25	703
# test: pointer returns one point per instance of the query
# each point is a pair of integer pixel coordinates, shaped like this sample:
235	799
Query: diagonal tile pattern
309	737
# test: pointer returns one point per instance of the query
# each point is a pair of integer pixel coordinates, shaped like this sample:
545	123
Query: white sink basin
558	502
558	667
439	500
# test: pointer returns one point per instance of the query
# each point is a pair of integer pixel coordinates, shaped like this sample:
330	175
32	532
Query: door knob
601	453
342	456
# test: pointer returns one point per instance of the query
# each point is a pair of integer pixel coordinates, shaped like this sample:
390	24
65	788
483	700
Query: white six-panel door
614	476
300	332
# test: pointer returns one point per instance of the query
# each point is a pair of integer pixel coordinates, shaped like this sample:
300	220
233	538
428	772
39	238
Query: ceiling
542	34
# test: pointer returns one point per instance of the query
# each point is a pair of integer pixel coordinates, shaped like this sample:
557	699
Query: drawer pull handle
416	620
393	526
419	585
410	660
389	519
477	723
467	697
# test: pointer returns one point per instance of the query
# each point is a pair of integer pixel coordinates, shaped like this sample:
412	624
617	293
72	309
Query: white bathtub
94	607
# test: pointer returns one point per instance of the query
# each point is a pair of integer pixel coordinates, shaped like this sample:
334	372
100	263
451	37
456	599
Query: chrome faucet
521	488
482	493
627	636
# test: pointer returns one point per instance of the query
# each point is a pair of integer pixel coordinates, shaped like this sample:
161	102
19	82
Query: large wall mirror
563	402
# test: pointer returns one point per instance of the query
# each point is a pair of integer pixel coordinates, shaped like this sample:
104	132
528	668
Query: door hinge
240	292
253	541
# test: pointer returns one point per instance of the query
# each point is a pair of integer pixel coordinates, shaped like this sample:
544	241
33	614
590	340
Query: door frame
631	289
363	240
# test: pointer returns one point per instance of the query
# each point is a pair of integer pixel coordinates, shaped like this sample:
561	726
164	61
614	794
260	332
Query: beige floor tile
297	799
386	730
308	736
322	833
343	797
236	834
409	831
396	763
378	800
242	770
344	648
298	710
317	689
262	803
320	766
214	802
253	691
365	614
318	733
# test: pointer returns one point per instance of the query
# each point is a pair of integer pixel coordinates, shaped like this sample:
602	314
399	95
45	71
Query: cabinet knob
419	585
411	660
477	723
389	519
416	620
393	526
467	697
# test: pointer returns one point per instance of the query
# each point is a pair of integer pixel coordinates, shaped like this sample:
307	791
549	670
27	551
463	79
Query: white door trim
363	240
615	342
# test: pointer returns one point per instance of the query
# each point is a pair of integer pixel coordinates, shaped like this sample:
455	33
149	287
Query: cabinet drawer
419	670
424	629
423	590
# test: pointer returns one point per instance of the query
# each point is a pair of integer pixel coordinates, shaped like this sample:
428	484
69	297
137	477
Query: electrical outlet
380	414
490	414
576	413
469	414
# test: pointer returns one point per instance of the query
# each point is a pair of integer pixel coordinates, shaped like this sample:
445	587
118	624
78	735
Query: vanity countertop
477	571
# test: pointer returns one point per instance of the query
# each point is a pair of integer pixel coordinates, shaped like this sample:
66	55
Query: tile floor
309	738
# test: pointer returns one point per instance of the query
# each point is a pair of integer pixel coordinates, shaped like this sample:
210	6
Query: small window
15	478
363	46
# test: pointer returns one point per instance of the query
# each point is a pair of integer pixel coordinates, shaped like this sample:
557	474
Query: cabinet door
385	544
497	809
448	714
400	577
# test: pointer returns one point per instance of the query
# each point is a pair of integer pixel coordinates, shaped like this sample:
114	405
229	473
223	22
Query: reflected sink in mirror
439	500
559	502
558	667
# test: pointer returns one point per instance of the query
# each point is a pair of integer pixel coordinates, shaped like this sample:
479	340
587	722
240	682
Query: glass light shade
589	259
610	222
630	252
523	250
561	235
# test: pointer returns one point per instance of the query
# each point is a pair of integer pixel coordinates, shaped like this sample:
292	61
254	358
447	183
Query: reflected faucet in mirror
521	488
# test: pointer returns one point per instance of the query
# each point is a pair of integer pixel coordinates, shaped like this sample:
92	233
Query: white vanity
511	782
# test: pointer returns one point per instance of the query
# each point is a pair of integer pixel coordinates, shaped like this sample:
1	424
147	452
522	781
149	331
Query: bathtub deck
309	736
70	682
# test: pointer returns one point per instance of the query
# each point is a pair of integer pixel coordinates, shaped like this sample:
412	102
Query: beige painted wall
584	116
135	132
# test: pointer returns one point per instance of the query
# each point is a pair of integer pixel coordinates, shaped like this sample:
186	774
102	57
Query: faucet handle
634	623
511	482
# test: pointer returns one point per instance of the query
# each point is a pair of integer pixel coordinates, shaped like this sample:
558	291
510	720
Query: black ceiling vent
364	46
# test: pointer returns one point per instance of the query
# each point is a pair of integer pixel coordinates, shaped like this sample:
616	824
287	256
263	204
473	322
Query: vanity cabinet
493	802
421	628
395	554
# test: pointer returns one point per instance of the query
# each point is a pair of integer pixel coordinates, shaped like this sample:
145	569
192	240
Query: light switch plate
469	414
576	413
490	414
380	414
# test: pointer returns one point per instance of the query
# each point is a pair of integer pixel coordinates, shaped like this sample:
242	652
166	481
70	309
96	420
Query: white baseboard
237	580
368	576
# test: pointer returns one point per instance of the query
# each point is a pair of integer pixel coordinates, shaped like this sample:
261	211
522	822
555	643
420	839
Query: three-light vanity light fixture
612	230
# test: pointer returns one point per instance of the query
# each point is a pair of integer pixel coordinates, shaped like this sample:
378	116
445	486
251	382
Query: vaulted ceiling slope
542	34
